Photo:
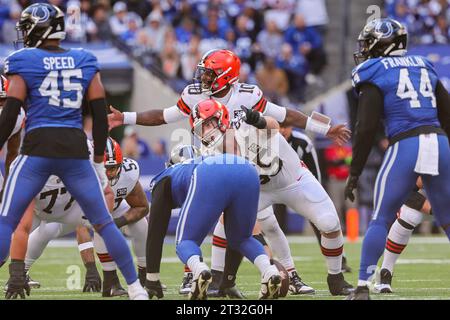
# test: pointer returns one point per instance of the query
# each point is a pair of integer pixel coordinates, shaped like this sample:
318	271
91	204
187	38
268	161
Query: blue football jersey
56	84
181	175
408	86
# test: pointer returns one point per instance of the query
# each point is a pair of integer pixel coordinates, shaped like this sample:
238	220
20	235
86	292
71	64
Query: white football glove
101	173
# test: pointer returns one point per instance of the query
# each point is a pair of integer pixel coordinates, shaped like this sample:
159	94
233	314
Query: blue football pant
27	177
216	188
394	182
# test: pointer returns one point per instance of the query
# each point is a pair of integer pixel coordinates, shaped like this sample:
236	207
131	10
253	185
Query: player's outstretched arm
370	108
17	93
139	207
146	118
443	107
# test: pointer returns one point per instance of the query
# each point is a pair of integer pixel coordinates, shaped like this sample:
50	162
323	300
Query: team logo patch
121	192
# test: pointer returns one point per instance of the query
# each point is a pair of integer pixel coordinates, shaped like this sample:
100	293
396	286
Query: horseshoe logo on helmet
40	14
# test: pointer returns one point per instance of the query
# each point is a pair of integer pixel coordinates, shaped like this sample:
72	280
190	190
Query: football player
283	178
129	207
54	81
237	197
404	91
410	215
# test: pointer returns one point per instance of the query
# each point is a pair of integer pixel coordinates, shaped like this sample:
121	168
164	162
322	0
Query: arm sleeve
8	118
173	114
158	222
370	108
275	111
443	106
99	125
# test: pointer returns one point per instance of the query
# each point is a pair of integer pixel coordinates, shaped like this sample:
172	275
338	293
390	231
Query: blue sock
5	241
186	249
118	249
372	249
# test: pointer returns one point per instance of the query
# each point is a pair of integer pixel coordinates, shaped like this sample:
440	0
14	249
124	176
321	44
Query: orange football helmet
113	160
209	115
216	71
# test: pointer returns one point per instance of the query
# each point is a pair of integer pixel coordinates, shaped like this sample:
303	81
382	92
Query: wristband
85	246
129	118
317	126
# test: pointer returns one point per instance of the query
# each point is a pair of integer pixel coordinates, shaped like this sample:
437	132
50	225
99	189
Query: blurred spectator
152	35
170	58
244	38
315	14
100	18
272	80
295	67
185	30
270	39
133	146
308	42
279	12
119	21
79	27
246	75
215	21
130	36
190	59
9	15
159	148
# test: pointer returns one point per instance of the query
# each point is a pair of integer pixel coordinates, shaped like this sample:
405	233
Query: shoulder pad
251	96
129	175
15	61
366	72
189	98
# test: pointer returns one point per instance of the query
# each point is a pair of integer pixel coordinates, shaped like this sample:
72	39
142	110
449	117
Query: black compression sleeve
158	222
8	118
370	109
99	125
415	200
443	107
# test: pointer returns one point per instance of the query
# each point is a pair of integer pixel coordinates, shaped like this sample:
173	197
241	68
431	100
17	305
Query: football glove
92	281
154	288
254	118
17	284
352	183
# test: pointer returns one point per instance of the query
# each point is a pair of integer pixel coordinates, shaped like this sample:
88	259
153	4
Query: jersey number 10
406	89
49	88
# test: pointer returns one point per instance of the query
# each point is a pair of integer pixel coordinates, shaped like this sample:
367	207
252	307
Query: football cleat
114	290
385	282
154	289
232	293
32	283
297	286
338	286
200	286
271	289
137	292
185	287
360	293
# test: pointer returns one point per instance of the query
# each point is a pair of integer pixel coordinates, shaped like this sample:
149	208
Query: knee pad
411	216
328	223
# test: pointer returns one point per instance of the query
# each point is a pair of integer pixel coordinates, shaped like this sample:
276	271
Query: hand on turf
92	283
17	287
352	183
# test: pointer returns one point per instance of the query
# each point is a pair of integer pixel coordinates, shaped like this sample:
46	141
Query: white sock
106	260
332	250
277	242
218	247
399	236
141	262
196	266
262	262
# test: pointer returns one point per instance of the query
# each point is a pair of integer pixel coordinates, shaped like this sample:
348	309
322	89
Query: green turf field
422	273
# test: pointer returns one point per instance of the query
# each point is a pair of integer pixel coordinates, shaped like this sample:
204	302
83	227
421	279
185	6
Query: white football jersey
128	177
277	163
19	123
241	94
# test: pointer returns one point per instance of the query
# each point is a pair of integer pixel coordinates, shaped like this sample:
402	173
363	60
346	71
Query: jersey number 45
49	88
